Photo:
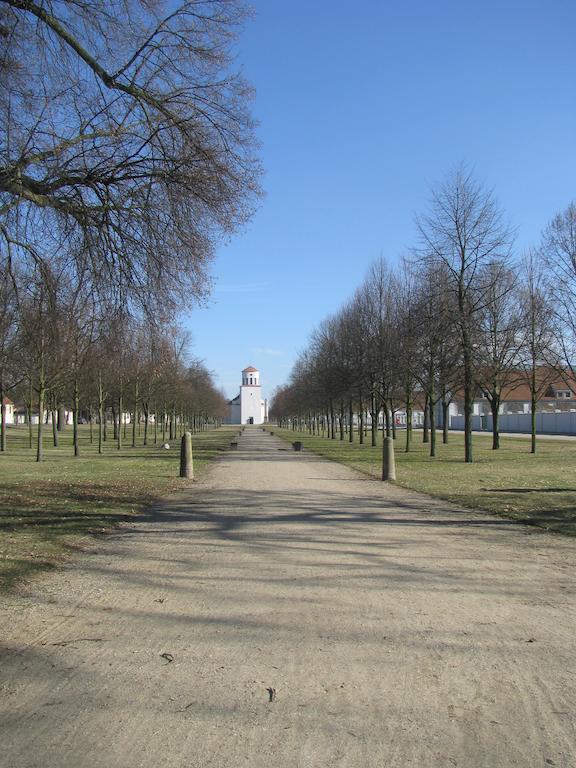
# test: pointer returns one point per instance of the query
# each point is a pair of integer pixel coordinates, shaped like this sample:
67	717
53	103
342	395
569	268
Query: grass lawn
49	510
538	489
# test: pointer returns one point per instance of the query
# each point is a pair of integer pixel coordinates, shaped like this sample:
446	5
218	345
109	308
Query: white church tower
248	407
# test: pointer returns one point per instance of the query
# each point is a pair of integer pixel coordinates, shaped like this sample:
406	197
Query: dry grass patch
50	510
536	489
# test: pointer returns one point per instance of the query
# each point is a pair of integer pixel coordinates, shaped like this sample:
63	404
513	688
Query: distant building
248	407
8	410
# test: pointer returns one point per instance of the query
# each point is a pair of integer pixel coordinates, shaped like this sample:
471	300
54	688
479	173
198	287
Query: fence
546	423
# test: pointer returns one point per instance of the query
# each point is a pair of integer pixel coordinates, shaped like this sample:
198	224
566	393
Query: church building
248	406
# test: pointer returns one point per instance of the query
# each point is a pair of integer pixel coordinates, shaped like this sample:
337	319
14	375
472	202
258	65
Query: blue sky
363	108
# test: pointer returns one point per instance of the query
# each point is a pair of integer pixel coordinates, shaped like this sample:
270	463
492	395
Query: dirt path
396	631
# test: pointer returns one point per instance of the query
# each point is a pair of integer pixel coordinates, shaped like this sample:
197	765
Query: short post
388	463
186	462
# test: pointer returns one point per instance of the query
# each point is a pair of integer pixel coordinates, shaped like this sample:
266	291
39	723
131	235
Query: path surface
395	630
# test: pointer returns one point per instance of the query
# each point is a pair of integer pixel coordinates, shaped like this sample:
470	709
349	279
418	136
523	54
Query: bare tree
539	360
10	376
558	251
464	230
498	340
41	348
125	140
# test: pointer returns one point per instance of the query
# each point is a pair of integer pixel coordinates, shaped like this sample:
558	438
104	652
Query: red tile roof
250	370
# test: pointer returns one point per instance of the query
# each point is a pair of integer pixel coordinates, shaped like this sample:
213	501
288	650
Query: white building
248	407
9	410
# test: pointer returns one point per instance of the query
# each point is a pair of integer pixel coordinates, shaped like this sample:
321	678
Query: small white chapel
248	407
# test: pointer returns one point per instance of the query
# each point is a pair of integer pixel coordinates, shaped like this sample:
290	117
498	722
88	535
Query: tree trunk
408	423
495	407
75	418
39	445
61	418
445	409
101	424
387	419
29	409
55	427
146	412
134	414
374	419
533	410
431	410
342	420
2	418
119	433
173	424
468	396
425	431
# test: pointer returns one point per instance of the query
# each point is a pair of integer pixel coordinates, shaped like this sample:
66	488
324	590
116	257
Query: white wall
251	405
234	414
9	413
546	423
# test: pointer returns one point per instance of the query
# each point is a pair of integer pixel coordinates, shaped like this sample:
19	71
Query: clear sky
363	107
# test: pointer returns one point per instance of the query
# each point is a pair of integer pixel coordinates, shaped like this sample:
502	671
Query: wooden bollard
186	460
388	462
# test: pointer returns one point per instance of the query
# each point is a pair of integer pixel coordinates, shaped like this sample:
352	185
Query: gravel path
389	630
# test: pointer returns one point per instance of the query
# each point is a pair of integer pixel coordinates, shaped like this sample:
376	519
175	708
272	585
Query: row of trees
127	152
461	316
61	353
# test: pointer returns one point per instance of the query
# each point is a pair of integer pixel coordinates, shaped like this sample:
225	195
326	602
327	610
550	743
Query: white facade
248	407
9	410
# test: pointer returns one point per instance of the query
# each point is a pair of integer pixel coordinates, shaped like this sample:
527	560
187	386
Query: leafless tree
464	231
41	351
499	339
125	140
10	376
539	358
558	251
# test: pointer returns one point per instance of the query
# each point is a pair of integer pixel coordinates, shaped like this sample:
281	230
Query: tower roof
250	369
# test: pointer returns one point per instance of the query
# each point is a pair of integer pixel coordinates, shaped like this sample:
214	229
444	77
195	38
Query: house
8	410
555	409
559	396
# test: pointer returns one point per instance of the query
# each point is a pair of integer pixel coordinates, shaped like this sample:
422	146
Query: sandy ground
390	630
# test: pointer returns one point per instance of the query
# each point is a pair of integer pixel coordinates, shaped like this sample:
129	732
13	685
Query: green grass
49	511
537	489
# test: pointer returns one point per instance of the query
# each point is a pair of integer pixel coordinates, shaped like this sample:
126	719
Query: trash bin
297	445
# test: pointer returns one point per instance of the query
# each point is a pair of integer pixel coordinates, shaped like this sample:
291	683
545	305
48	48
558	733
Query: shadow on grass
529	490
17	569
